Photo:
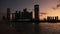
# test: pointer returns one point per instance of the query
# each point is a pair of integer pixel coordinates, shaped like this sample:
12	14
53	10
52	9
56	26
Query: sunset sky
47	7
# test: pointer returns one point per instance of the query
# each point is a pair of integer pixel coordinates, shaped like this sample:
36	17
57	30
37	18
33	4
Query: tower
36	10
8	13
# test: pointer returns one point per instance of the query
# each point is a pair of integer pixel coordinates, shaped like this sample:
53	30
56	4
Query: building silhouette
13	16
18	15
26	14
8	13
56	18
36	11
52	18
3	18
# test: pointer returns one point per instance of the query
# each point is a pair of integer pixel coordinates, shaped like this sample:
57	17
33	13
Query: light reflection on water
44	28
49	28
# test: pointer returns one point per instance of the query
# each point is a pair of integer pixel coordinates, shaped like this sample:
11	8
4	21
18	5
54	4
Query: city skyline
47	7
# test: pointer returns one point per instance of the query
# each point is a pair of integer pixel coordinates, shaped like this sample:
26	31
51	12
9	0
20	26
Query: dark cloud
57	6
42	13
58	0
54	8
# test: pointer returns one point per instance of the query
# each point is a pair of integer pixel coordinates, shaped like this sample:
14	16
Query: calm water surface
30	28
49	28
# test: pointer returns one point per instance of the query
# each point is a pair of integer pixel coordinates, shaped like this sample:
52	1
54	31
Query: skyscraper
8	13
36	10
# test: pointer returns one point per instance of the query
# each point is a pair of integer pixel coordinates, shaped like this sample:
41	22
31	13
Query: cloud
42	13
57	6
54	8
58	0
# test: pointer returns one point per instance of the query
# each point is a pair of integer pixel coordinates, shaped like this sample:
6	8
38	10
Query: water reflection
29	28
19	27
50	28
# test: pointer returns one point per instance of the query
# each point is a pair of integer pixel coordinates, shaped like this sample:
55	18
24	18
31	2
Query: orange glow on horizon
52	13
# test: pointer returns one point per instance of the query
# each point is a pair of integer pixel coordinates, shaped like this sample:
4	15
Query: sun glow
52	13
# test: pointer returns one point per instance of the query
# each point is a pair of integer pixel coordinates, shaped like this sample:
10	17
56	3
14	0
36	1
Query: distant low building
3	17
50	18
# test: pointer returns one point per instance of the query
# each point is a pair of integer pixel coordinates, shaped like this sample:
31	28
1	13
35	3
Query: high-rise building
8	13
16	15
13	16
26	14
36	11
